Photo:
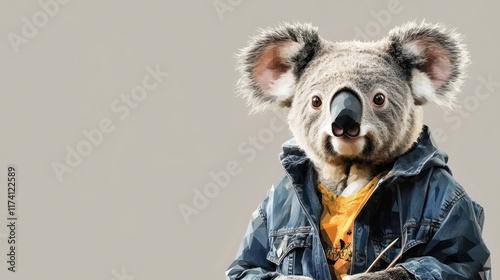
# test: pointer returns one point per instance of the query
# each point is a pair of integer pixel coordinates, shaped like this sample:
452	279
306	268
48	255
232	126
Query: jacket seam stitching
451	204
290	262
287	251
277	233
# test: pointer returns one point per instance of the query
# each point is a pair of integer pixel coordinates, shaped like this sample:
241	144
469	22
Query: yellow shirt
336	224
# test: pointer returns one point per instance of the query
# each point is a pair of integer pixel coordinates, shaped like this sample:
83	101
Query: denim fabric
439	226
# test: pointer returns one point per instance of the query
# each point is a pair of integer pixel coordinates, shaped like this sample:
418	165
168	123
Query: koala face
353	101
387	115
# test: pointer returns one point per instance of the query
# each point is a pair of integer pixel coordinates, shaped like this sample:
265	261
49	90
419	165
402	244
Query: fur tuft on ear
273	61
434	58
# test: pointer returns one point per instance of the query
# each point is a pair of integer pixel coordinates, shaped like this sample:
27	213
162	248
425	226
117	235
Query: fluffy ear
273	62
433	58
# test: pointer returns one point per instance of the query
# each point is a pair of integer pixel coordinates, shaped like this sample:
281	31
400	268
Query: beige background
117	213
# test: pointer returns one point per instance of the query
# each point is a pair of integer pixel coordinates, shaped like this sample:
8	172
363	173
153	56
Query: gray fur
414	64
304	34
397	273
448	39
293	278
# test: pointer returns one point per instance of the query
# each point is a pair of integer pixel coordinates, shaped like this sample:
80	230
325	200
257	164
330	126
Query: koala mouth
346	146
348	139
354	150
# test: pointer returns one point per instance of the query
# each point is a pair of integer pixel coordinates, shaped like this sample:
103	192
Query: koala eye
379	99
316	101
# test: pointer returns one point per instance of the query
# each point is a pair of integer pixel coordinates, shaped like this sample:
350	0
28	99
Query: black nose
345	110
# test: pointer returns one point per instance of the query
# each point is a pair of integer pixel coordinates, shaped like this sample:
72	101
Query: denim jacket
438	225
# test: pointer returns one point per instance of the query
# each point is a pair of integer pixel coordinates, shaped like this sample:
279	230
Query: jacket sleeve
251	262
456	250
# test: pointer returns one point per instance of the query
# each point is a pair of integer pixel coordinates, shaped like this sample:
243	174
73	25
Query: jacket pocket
289	248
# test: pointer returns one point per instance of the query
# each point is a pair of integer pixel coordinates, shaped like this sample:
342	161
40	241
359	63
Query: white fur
327	171
327	129
355	182
354	187
413	48
423	89
365	128
290	50
292	277
282	88
348	148
354	148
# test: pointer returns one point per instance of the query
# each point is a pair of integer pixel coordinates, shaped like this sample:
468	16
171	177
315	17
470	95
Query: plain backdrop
68	66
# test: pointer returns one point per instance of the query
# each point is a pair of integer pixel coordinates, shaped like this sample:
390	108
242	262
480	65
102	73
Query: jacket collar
423	154
294	161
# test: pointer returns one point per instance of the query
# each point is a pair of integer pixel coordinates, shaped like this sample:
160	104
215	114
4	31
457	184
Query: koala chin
348	146
355	112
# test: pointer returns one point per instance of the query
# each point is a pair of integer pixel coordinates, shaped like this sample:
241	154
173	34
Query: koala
355	112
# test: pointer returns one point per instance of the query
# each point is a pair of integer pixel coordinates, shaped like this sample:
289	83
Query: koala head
357	102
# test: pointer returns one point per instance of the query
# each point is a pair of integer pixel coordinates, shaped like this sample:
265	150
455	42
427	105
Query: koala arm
455	251
293	278
397	273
